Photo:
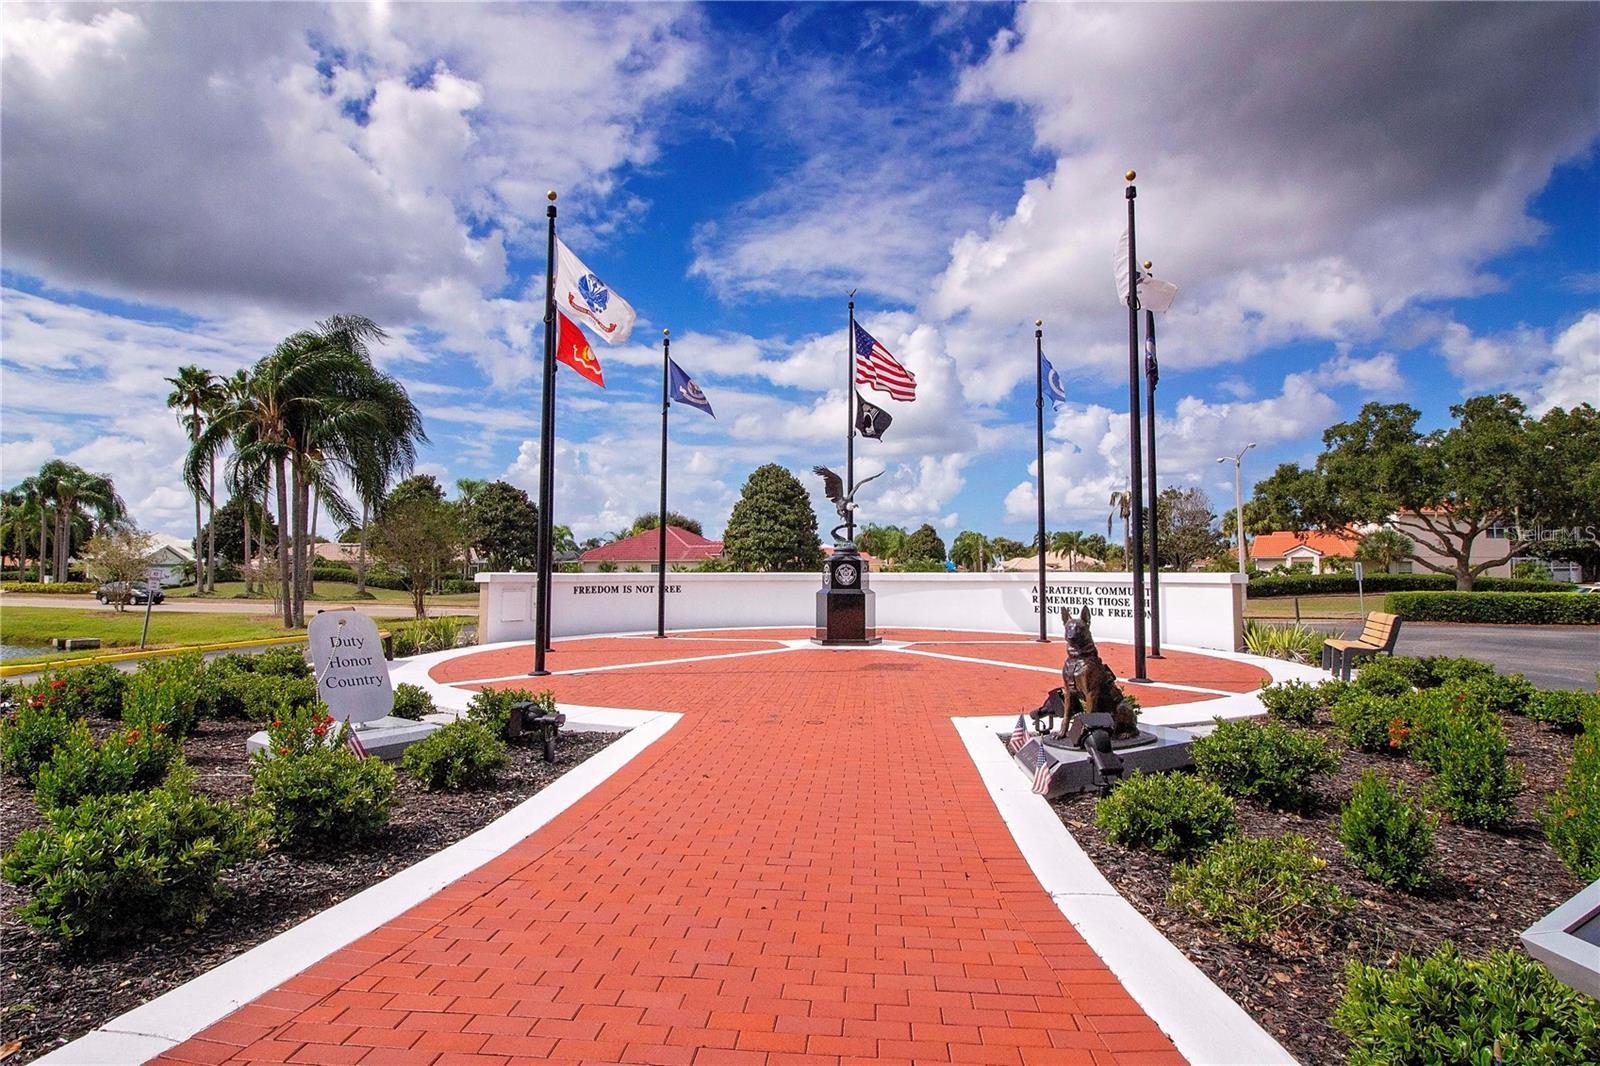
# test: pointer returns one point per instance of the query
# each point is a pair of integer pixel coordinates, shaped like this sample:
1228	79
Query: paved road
376	608
1550	656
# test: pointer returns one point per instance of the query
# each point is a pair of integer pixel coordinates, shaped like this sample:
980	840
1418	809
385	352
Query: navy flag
681	387
1052	385
871	420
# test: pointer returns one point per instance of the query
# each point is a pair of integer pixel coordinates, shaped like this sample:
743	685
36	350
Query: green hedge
1503	608
1319	584
58	588
326	570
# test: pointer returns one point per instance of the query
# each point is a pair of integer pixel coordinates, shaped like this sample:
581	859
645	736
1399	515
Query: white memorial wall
1200	610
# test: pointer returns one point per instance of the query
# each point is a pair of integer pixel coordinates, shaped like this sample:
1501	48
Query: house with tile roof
1286	548
685	550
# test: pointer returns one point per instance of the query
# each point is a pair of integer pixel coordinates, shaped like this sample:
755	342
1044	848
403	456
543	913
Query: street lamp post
1238	498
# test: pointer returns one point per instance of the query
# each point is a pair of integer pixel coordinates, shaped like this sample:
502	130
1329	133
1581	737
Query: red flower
58	683
276	724
133	735
320	730
1398	732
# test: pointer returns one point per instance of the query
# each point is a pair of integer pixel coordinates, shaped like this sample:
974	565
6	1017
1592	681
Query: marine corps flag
572	349
871	420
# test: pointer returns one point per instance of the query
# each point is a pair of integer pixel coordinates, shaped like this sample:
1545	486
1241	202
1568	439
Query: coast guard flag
583	296
877	368
681	387
572	348
1052	385
871	420
1154	294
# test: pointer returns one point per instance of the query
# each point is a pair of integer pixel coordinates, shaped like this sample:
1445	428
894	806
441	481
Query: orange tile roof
1275	545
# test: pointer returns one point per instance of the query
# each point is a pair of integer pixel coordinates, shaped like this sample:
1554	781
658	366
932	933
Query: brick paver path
806	869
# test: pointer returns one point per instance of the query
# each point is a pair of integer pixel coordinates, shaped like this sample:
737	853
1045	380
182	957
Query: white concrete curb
172	1018
1207	1026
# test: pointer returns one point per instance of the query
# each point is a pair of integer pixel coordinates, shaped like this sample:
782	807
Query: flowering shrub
1386	833
1269	762
125	761
313	791
1366	720
31	730
1572	815
114	865
464	754
170	690
1169	813
1464	744
93	691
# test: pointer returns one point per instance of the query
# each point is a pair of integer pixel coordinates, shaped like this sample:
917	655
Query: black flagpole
1150	373
850	419
547	447
1135	462
1038	405
661	534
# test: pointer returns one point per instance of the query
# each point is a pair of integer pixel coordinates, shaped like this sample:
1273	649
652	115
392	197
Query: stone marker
347	658
353	680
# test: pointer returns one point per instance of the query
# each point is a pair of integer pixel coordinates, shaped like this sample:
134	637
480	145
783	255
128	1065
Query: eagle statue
833	488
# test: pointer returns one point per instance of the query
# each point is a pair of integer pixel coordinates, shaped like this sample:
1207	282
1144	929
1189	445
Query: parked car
127	592
1588	588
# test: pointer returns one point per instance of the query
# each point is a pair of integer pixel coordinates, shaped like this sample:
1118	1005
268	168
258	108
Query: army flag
581	294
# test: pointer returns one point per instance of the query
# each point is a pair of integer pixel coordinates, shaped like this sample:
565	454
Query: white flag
1154	294
582	296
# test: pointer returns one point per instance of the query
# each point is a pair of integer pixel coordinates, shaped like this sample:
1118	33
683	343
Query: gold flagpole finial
551	196
666	333
1149	265
1038	322
1130	175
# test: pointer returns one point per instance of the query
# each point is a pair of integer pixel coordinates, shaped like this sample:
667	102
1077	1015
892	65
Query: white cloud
1546	373
1305	172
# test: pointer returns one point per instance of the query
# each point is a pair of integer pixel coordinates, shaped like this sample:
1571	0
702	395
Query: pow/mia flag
871	420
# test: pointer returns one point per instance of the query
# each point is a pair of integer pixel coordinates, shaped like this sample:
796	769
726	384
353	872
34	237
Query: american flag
354	742
877	368
1043	771
1019	735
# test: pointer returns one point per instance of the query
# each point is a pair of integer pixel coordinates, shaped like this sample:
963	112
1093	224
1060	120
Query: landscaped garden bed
1476	888
57	988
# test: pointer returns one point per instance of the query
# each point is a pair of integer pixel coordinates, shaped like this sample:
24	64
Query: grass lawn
1334	605
34	626
326	591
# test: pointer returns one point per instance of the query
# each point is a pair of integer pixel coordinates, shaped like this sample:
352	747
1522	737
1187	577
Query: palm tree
317	408
85	502
1121	503
467	489
16	520
196	395
1068	542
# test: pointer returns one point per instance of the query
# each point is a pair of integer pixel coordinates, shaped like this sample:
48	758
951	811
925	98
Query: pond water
16	651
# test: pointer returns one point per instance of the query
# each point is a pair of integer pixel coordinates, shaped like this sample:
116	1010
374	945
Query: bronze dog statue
1088	685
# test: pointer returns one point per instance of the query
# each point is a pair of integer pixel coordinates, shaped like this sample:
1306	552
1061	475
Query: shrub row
1498	608
1571	817
328	570
49	588
1320	584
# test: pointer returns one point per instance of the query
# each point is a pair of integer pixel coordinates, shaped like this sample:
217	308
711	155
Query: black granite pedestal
846	614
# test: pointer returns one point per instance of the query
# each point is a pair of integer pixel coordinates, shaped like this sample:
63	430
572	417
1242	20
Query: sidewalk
807	869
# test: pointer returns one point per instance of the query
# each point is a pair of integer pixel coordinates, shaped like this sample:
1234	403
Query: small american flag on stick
353	742
1019	735
1043	770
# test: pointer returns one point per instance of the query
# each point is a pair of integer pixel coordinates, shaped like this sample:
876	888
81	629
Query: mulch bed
49	997
1488	887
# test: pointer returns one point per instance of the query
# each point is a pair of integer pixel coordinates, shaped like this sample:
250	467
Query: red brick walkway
806	869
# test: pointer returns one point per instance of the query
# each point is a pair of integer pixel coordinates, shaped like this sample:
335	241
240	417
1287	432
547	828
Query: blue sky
1374	202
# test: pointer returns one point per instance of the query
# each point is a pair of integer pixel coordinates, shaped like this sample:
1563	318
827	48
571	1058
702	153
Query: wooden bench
1378	636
